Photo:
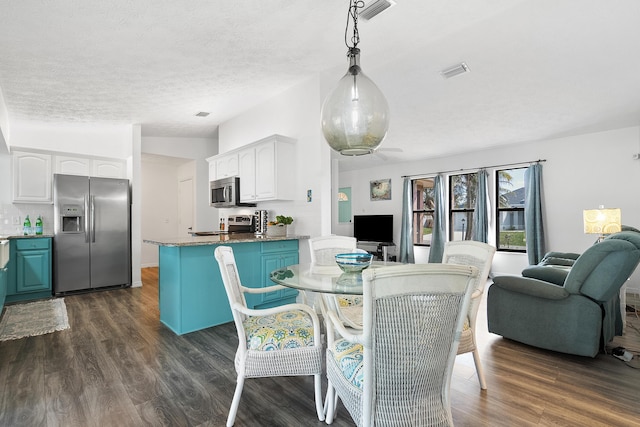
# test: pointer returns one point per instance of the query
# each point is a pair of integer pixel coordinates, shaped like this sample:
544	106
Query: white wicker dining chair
479	255
398	370
278	341
323	255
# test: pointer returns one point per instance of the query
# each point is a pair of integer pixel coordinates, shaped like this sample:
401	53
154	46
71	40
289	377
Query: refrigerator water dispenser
71	218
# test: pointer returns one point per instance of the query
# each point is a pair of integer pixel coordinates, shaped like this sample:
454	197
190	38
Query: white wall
4	125
82	139
159	207
133	171
294	113
197	149
173	159
581	172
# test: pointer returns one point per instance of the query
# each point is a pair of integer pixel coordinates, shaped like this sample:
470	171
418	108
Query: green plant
281	219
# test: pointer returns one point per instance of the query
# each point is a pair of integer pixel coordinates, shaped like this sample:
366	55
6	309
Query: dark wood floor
118	366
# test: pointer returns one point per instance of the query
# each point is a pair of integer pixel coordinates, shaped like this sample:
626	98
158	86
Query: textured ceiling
539	69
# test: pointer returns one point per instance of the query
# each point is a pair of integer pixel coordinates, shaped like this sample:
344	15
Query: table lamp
602	221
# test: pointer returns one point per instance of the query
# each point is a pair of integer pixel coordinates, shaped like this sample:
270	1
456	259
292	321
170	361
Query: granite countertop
222	238
21	236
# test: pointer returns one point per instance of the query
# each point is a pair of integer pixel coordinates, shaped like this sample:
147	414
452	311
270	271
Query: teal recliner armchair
572	308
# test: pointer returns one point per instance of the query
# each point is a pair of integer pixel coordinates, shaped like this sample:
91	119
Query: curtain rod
471	169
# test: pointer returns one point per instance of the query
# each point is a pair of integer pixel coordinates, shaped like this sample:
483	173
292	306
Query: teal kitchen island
191	293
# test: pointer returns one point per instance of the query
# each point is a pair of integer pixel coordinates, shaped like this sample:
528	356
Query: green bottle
39	225
26	229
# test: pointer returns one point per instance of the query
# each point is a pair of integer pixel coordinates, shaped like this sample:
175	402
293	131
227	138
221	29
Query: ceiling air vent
374	8
460	68
202	114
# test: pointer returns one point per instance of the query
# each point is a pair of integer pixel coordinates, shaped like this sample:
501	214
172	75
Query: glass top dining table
324	279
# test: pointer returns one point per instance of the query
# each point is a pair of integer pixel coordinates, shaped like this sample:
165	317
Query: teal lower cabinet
29	269
276	255
191	293
3	287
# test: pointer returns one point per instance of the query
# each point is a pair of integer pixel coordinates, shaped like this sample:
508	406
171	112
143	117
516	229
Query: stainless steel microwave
225	193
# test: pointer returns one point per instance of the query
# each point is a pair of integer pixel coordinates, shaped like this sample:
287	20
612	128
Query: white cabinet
267	169
227	165
212	168
102	168
72	165
33	173
108	168
31	177
273	173
247	174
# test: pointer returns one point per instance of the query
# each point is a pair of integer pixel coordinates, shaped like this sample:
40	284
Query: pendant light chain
352	15
355	114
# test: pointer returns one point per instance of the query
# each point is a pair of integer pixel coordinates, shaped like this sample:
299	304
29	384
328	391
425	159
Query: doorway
185	207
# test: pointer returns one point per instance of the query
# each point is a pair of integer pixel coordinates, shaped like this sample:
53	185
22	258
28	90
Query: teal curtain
438	233
533	213
406	231
481	211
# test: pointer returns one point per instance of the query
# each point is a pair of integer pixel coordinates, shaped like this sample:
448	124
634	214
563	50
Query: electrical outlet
15	220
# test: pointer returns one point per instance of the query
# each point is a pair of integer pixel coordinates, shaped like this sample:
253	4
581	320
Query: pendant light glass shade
355	115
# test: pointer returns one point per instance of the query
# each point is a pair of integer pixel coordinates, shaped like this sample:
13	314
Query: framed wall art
381	189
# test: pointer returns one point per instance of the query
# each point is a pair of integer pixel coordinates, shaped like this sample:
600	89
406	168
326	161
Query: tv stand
382	251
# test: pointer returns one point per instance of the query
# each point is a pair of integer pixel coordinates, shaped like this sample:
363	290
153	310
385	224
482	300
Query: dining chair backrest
232	283
470	252
479	255
325	248
413	315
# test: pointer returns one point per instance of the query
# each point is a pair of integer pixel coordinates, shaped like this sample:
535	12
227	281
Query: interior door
185	207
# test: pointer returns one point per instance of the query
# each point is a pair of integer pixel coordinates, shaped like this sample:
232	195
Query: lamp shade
602	221
355	115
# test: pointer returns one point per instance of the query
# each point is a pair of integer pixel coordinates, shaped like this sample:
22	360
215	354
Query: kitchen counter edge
221	239
30	236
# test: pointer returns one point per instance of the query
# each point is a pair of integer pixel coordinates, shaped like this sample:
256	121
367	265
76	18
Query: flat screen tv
373	228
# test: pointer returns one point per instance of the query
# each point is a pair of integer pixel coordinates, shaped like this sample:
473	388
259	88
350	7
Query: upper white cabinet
212	168
33	173
226	165
274	171
247	174
102	168
267	169
31	177
72	165
108	168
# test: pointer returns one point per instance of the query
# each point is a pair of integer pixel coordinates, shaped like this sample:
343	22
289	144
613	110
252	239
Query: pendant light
355	115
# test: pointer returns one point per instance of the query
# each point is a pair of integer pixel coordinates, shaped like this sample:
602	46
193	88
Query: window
423	210
462	190
510	234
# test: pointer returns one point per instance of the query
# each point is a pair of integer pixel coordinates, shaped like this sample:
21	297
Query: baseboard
149	265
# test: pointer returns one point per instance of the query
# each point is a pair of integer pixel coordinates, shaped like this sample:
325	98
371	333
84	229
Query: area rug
34	318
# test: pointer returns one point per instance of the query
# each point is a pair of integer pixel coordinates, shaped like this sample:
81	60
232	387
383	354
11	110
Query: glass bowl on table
354	262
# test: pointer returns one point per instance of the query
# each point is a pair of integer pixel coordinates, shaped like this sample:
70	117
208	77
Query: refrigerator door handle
93	219
87	227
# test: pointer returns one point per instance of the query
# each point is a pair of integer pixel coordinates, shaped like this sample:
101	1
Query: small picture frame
381	189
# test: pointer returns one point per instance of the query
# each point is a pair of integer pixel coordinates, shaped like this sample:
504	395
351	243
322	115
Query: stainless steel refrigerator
92	241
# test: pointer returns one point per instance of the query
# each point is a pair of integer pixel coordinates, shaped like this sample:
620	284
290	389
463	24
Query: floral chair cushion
349	300
348	357
289	329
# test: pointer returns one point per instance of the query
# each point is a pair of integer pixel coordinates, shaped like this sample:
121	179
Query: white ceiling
539	68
